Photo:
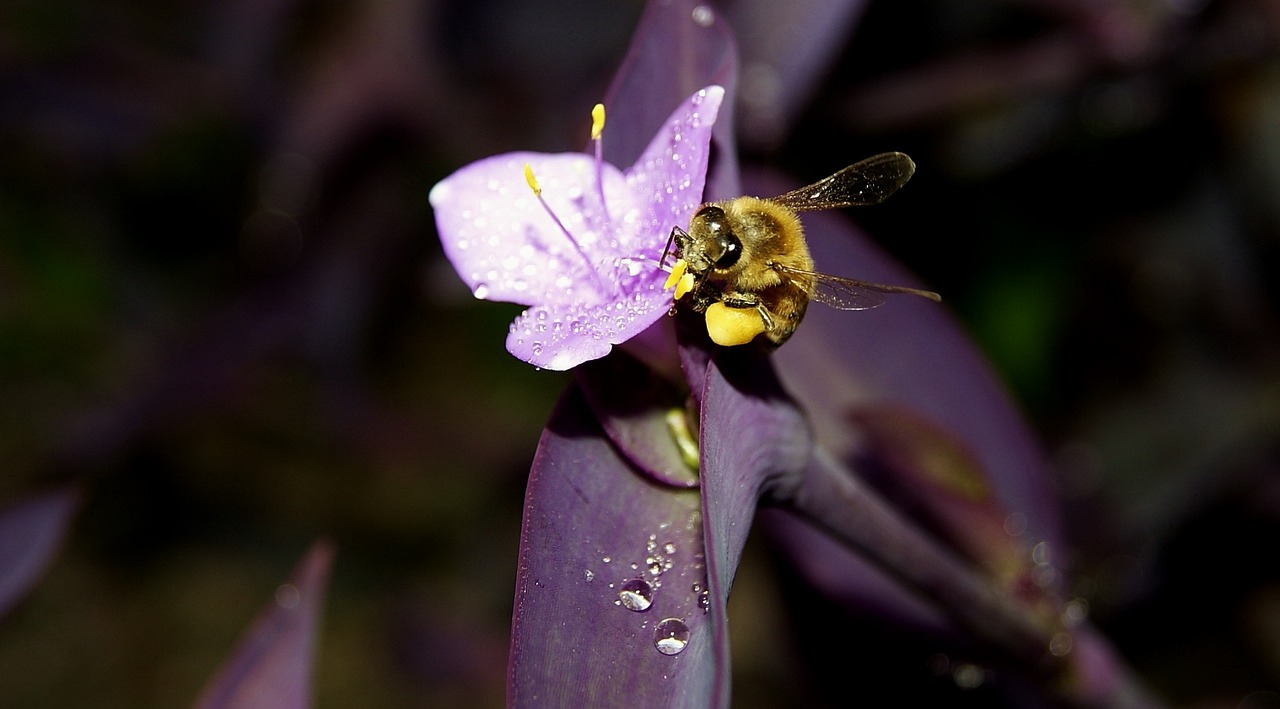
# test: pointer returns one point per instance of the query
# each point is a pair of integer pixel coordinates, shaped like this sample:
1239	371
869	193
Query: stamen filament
537	192
597	137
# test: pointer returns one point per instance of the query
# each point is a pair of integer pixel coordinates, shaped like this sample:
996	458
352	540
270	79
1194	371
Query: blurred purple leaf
911	355
901	391
31	531
925	407
599	542
679	47
272	665
792	47
928	470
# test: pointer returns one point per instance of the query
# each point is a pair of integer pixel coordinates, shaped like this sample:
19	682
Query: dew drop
703	16
968	676
669	548
636	595
1076	610
1015	524
288	596
1060	644
1040	554
591	575
671	636
481	291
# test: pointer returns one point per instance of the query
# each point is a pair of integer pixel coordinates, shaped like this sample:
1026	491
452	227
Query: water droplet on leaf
636	595
671	636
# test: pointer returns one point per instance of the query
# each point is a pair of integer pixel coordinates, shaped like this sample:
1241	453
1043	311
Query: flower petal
564	330
673	169
563	336
505	243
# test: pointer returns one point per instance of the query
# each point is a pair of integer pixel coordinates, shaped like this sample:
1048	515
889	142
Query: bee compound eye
732	251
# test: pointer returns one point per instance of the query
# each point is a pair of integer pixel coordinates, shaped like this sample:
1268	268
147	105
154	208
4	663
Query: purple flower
575	238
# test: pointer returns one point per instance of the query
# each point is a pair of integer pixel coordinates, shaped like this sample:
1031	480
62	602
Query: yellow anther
677	270
597	121
733	326
533	181
684	286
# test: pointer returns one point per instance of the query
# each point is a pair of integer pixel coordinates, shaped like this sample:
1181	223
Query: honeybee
744	261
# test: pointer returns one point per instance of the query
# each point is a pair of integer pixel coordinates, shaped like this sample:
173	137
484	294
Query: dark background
224	311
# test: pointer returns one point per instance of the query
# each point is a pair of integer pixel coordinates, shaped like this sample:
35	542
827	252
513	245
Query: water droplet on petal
669	548
671	636
481	291
636	595
591	575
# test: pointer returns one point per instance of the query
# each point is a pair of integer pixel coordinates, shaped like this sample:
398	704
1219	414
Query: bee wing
869	181
850	293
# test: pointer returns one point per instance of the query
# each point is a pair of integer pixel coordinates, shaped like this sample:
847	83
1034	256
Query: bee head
720	247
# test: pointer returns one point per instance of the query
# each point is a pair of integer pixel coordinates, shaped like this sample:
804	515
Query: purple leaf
638	409
606	555
272	665
31	531
753	438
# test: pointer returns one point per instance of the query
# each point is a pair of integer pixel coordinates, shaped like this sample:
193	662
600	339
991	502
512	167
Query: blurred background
224	312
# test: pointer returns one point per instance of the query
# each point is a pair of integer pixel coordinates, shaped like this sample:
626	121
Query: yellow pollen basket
728	326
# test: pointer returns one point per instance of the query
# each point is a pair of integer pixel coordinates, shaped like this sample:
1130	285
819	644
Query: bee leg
750	300
736	299
767	317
